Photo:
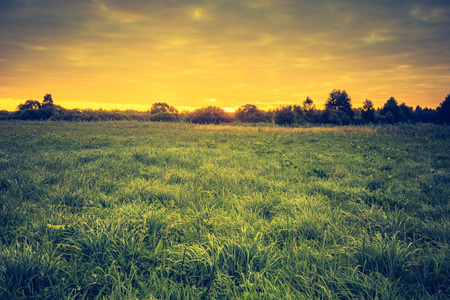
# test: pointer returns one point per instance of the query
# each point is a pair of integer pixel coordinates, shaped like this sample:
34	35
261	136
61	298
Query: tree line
338	110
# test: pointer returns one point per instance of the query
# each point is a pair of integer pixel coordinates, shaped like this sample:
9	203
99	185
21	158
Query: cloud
268	50
116	15
430	14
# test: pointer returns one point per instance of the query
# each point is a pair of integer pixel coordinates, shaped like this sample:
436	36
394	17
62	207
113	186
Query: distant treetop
444	110
162	108
48	100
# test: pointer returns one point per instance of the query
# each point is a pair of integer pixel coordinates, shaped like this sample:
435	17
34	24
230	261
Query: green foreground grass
132	210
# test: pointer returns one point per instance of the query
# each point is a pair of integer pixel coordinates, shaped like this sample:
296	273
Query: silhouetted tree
339	100
48	100
308	105
392	106
444	110
48	108
406	112
30	104
418	114
285	115
47	111
389	118
3	114
368	112
162	108
425	115
249	113
298	114
209	115
309	109
33	110
335	116
430	115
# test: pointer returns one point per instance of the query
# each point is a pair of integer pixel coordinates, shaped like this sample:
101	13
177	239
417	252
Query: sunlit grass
159	211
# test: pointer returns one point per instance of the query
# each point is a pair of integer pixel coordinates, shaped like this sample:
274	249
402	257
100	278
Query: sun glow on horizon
12	104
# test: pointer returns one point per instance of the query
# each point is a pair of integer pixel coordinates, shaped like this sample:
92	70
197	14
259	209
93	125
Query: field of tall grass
129	210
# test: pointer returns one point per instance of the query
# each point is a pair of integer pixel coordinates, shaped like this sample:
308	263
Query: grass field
131	210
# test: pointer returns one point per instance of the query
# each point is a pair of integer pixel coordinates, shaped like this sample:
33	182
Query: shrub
284	116
249	113
163	117
209	115
337	117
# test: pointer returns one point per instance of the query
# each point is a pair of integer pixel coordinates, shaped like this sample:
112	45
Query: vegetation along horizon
158	210
338	110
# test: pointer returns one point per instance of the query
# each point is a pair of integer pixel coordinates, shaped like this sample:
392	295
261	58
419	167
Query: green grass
129	210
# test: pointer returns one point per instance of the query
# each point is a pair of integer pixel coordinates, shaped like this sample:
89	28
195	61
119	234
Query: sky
129	54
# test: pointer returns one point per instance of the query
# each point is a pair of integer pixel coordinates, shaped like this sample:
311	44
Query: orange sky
115	54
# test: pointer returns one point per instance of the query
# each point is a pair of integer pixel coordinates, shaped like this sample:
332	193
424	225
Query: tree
368	112
339	100
209	115
418	114
444	110
3	114
389	118
423	115
30	104
406	112
310	112
335	116
299	116
392	106
48	108
249	113
29	110
308	105
162	108
285	115
48	100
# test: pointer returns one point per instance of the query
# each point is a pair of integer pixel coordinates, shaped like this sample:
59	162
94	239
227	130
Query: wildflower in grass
56	227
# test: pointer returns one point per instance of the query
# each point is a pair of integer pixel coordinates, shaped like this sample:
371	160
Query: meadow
137	210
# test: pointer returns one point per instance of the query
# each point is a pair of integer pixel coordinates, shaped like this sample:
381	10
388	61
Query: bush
336	117
209	115
284	116
249	113
4	114
163	117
